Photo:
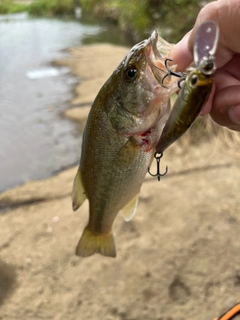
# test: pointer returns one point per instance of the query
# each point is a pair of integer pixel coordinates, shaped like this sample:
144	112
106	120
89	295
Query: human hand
224	101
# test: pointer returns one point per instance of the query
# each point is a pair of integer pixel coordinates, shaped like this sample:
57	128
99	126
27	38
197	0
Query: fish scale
107	161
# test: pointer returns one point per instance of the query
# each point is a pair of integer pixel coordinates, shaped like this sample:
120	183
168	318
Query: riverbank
178	258
94	64
32	129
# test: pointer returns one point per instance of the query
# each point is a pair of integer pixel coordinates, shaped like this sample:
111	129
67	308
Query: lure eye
209	66
130	73
194	80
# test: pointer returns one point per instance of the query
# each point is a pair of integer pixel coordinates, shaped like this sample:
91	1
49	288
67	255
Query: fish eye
130	73
194	80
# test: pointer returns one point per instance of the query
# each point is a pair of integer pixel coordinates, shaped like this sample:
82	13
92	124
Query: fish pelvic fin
78	193
91	243
130	209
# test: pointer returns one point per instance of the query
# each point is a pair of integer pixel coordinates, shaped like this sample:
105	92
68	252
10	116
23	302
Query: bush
138	17
51	8
8	6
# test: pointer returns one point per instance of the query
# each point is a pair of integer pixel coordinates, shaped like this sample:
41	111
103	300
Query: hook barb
158	157
172	73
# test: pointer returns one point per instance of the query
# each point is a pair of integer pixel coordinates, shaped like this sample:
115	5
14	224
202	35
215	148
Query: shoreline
88	62
80	103
35	139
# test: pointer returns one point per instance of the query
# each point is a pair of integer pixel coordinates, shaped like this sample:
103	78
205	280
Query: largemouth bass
121	133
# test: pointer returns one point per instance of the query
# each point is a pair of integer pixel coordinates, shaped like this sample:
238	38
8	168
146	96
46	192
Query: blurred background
178	258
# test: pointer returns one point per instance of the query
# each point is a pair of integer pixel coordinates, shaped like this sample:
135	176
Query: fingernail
234	114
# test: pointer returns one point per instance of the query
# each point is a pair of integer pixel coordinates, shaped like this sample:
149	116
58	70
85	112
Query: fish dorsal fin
78	193
130	209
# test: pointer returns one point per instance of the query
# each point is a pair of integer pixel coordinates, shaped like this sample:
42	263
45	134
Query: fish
196	88
123	127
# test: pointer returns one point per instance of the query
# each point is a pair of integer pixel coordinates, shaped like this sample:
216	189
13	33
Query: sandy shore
179	258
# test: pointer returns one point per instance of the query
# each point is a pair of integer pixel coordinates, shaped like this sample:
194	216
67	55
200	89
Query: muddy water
34	139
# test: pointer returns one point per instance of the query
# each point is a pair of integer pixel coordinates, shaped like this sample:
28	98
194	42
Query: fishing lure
194	91
231	313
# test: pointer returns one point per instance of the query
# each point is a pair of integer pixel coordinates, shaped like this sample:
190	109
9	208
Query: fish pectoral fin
127	154
91	243
130	209
78	193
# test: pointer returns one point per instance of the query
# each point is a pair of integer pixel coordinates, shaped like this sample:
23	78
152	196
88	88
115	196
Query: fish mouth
156	108
156	52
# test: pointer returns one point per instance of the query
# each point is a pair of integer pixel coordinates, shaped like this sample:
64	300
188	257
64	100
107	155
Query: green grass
39	8
137	17
51	8
8	6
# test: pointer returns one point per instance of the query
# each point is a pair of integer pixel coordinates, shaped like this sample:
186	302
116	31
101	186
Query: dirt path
178	259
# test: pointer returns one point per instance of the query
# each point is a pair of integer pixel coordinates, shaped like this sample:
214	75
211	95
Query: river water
35	141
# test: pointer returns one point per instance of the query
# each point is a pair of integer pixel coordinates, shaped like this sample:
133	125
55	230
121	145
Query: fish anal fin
91	243
130	209
78	193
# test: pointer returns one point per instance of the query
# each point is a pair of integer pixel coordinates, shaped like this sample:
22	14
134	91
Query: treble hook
158	156
172	73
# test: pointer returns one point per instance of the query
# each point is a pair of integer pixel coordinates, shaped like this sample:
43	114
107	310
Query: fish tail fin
91	243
